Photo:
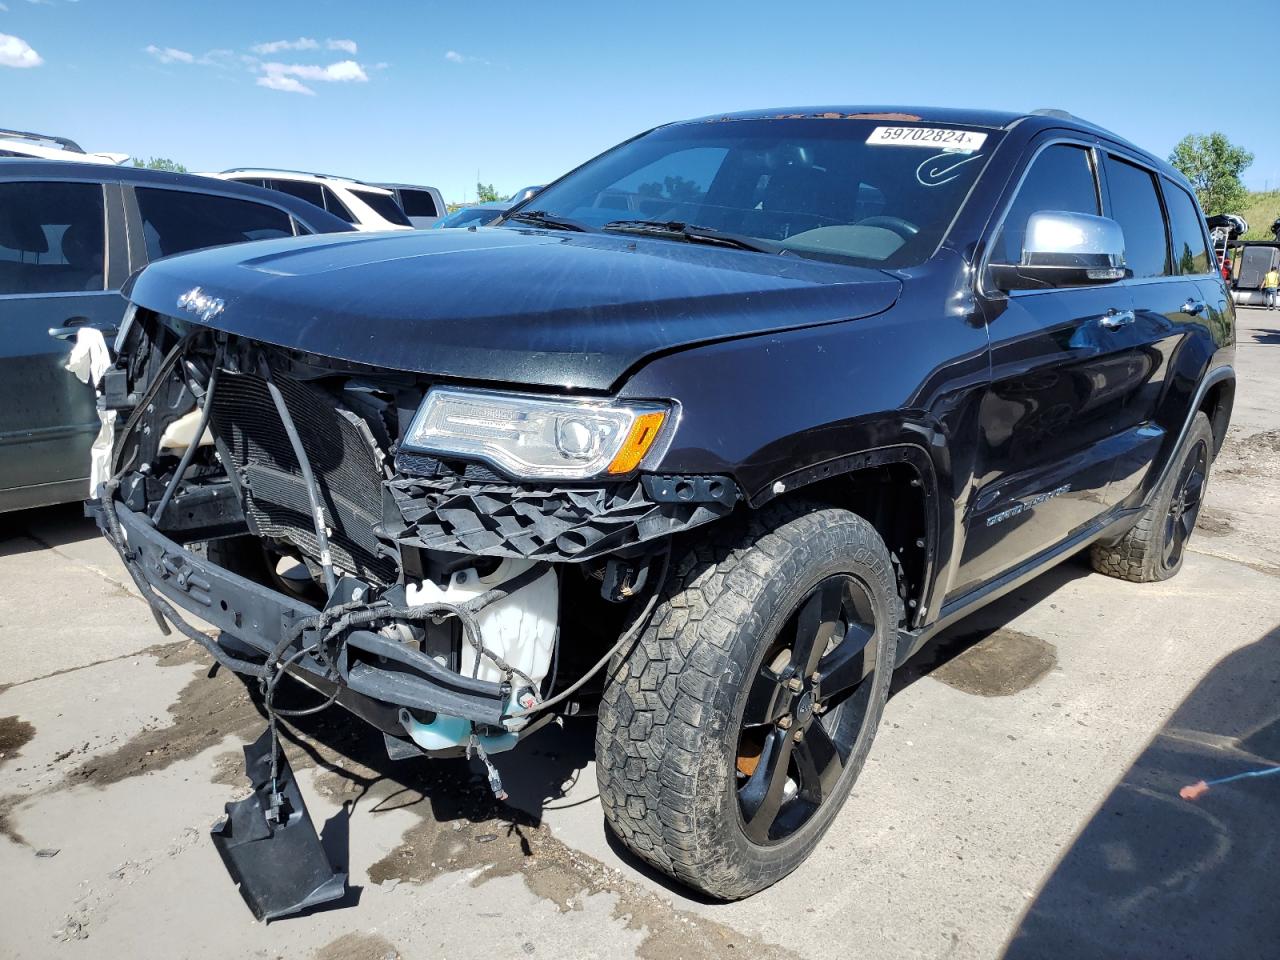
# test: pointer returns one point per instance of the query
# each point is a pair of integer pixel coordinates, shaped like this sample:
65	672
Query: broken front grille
344	457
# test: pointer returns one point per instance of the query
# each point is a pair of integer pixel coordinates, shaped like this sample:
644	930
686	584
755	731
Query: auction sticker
935	138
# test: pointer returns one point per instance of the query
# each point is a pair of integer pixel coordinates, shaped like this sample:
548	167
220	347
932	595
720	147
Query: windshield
384	205
871	192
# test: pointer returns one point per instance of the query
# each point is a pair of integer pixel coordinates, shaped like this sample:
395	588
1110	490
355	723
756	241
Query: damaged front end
457	590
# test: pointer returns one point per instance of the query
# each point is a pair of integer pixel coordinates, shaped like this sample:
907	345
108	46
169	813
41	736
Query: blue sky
419	91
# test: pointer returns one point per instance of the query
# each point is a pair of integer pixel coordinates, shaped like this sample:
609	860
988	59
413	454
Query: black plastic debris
280	866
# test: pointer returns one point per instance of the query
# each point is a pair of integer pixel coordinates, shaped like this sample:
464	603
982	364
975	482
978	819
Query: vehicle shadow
541	772
1154	875
28	531
981	624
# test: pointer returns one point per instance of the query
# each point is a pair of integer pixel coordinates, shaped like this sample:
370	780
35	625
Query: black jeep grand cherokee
709	436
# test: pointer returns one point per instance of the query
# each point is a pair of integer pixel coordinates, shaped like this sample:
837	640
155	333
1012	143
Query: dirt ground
1021	799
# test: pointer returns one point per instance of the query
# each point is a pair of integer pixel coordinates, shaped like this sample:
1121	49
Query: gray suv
70	235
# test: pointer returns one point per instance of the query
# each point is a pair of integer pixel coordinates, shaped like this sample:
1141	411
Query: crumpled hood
530	307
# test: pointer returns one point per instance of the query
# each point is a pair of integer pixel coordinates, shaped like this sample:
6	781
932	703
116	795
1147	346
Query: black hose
638	626
189	454
308	477
166	365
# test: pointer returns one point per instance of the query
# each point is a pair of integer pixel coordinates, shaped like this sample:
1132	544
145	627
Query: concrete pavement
1020	800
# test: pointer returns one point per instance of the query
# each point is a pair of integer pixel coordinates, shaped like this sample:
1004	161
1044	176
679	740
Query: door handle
1193	307
73	325
1115	319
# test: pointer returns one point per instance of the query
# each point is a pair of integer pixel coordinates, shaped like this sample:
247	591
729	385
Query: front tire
1155	546
732	731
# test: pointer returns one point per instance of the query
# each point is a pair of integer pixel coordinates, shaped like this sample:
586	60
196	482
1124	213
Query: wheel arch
1217	403
894	488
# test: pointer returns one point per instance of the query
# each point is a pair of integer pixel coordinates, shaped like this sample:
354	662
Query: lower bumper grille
344	457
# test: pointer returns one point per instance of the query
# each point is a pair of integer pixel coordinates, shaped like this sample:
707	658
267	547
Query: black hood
566	310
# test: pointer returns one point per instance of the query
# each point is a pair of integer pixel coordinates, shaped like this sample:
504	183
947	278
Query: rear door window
175	221
336	206
1135	205
52	238
1190	246
1061	178
303	190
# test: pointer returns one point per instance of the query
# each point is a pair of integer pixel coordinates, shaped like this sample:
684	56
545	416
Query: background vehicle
424	206
476	215
40	146
362	205
70	235
746	410
1253	259
523	194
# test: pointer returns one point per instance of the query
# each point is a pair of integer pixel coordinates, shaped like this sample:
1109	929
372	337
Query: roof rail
1057	114
47	138
305	173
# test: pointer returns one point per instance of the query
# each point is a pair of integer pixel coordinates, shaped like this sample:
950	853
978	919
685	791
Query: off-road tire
667	734
1139	555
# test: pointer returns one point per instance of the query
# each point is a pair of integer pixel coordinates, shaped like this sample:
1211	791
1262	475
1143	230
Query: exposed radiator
343	455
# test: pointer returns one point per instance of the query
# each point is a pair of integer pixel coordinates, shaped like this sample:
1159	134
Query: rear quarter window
418	203
1190	245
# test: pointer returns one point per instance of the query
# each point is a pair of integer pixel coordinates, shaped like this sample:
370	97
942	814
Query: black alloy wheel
731	733
806	709
1184	506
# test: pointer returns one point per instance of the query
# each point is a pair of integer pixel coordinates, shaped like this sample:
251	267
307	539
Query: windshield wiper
691	232
541	218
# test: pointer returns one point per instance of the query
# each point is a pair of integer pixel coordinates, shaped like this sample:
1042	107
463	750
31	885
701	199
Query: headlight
557	438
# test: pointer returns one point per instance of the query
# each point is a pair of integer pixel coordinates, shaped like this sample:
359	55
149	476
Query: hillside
1261	211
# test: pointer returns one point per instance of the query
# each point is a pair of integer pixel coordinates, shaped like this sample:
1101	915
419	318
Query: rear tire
693	760
1156	545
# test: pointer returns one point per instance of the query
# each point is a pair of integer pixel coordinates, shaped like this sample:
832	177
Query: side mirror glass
1063	249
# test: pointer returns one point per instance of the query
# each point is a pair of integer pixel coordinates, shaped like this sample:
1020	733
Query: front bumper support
378	677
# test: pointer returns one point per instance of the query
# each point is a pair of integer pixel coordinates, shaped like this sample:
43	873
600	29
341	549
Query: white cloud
346	46
4	8
453	56
16	52
287	76
170	54
342	71
274	81
275	46
218	58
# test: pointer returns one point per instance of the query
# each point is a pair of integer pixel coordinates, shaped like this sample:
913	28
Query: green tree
1213	164
672	188
485	193
161	163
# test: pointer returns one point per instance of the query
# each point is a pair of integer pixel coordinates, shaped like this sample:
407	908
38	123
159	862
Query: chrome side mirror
1063	249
